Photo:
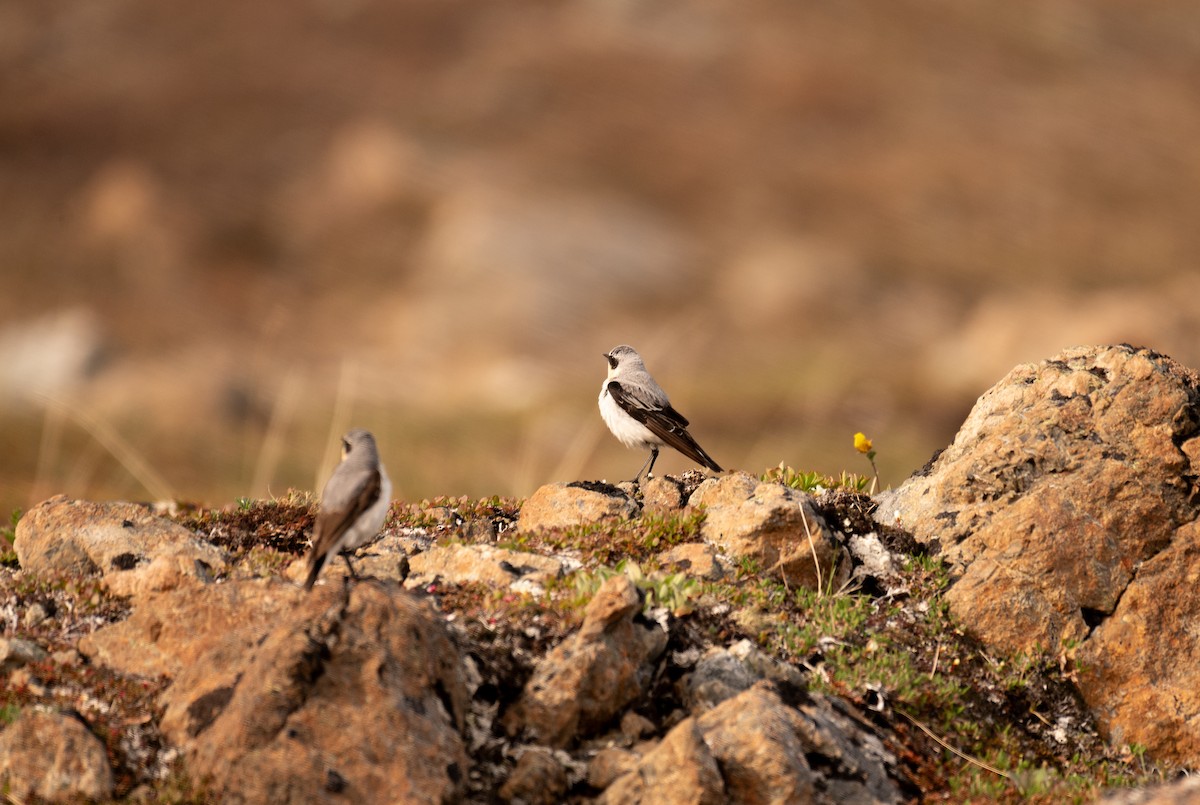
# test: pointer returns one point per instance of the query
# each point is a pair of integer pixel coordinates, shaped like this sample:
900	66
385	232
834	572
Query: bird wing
338	512
660	419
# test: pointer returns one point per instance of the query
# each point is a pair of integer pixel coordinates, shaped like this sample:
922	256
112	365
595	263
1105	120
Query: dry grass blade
112	441
972	760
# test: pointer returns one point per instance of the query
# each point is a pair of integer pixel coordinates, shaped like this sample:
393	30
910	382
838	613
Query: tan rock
609	764
662	494
774	525
562	505
1184	791
753	748
1139	670
681	769
53	757
355	690
169	631
486	564
537	779
592	675
755	739
136	551
1060	506
694	559
16	652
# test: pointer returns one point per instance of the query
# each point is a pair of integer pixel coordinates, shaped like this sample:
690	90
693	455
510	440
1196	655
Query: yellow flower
861	443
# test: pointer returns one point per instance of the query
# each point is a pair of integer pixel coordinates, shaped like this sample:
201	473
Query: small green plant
9	713
8	555
674	591
814	482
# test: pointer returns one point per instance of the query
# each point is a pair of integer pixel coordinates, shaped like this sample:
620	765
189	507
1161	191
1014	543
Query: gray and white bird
639	414
354	503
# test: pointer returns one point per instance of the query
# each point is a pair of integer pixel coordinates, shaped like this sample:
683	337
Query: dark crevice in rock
598	486
1093	617
204	710
927	467
125	561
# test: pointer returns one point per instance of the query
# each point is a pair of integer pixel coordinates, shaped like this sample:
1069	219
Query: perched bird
354	504
637	411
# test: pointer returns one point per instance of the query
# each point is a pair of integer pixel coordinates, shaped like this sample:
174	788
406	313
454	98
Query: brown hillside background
229	230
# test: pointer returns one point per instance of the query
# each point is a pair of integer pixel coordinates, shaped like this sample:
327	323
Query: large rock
481	564
562	505
169	631
754	748
592	675
355	691
54	757
1065	506
774	525
1138	668
133	549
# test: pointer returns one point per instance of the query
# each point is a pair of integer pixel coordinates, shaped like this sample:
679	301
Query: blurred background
229	231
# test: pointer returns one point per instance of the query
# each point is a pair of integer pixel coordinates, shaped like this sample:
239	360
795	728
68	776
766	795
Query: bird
354	503
639	414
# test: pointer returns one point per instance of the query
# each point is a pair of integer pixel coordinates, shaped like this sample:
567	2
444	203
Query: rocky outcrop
589	678
54	757
354	691
1066	507
562	505
134	550
481	564
773	525
755	748
171	630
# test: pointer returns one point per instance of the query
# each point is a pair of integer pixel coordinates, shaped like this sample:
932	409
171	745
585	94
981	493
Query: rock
755	748
756	741
694	559
134	550
485	564
1065	508
16	651
562	505
871	557
356	691
54	757
386	558
1185	791
635	726
609	764
681	769
591	676
723	673
170	630
662	494
537	779
1139	670
775	526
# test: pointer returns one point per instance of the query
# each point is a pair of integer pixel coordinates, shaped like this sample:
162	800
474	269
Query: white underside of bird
628	430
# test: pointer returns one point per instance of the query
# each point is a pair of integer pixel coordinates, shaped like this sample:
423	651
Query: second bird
639	414
354	504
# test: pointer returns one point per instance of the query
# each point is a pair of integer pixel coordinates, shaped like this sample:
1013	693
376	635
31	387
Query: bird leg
350	567
647	467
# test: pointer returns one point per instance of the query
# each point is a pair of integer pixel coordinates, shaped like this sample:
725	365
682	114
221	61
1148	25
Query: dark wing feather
663	421
336	516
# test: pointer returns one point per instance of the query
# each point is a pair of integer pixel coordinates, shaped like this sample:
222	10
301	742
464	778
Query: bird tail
707	461
696	453
314	569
